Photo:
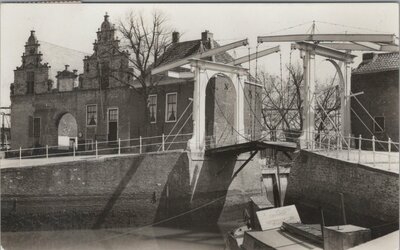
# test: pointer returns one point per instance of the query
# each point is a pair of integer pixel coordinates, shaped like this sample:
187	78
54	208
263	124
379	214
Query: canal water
146	238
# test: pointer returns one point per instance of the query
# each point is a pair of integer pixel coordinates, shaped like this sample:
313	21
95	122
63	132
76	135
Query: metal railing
138	145
368	151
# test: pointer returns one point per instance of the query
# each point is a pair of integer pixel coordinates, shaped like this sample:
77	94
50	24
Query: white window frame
166	107
155	120
87	125
376	126
108	120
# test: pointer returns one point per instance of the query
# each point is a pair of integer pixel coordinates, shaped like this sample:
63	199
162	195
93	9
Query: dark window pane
36	127
152	102
91	114
171	107
379	124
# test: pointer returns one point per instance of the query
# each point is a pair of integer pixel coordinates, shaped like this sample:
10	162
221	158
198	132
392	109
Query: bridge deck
236	149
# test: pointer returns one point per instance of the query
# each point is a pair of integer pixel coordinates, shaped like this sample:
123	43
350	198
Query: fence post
20	156
373	150
73	149
312	142
337	145
329	145
97	153
163	143
140	144
389	149
320	141
119	146
359	148
348	147
47	151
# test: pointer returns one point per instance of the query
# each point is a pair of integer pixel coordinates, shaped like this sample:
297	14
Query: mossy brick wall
98	193
123	191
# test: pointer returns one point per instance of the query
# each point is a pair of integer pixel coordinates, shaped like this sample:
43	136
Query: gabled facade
102	106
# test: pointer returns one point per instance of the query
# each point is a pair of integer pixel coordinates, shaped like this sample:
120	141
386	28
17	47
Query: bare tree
145	40
283	102
328	106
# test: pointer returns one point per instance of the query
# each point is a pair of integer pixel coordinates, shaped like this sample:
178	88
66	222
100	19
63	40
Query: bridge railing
95	148
369	151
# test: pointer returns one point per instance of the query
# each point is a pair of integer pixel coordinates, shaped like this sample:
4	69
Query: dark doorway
112	125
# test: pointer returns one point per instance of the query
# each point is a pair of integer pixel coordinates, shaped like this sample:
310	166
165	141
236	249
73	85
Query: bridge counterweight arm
208	53
255	55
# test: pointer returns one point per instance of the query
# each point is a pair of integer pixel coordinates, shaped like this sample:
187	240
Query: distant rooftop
180	50
373	62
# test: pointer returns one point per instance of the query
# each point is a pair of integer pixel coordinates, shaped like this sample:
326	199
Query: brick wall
371	195
51	106
41	78
124	191
380	98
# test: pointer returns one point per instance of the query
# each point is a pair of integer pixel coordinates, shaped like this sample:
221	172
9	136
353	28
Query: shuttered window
30	126
36	127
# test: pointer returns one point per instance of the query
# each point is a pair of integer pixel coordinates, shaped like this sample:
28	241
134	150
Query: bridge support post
345	101
307	138
196	143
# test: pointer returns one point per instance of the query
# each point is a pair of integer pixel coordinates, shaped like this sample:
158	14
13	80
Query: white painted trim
156	107
86	122
108	120
180	75
166	106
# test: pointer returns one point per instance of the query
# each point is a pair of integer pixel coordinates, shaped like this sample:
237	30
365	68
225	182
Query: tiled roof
185	49
379	63
66	74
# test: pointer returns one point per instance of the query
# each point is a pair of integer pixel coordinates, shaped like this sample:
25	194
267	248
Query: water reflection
121	238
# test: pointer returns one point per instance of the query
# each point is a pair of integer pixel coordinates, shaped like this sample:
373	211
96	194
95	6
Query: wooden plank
358	47
273	218
324	51
253	56
310	232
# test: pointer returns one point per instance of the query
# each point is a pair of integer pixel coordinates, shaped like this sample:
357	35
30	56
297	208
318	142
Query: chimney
175	37
66	66
206	36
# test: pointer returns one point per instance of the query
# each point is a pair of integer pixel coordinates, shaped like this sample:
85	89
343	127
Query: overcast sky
74	26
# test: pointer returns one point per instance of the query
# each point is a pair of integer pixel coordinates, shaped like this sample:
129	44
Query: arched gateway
220	111
67	131
234	76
